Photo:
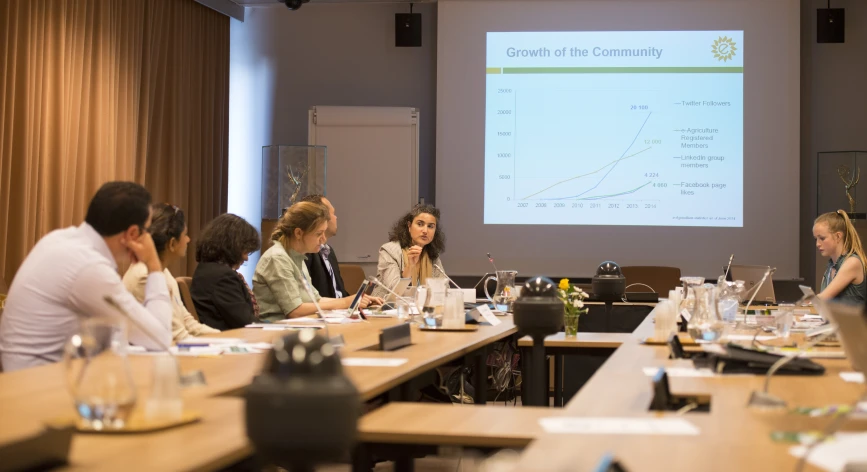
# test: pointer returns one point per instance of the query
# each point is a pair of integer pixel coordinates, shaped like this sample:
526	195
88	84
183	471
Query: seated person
837	239
68	273
277	281
323	267
413	251
222	297
169	232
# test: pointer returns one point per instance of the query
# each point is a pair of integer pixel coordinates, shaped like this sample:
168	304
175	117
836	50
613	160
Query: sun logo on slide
723	48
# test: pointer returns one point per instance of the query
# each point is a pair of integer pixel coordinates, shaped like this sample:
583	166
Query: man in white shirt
68	273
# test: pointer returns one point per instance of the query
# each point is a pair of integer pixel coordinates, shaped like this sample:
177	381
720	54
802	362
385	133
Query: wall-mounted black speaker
407	30
831	25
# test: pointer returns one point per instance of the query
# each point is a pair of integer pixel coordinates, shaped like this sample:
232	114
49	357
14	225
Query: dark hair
226	239
400	231
168	222
313	198
118	205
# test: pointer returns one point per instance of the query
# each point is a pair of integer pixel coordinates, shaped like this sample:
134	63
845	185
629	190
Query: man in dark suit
323	267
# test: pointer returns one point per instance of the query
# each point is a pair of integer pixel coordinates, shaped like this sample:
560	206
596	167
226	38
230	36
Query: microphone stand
441	271
339	340
729	266
192	378
409	302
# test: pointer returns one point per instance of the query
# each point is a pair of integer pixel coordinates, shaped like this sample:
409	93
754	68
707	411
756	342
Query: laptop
357	300
752	275
399	287
851	330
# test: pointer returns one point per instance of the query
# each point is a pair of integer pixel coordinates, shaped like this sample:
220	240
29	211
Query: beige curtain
98	90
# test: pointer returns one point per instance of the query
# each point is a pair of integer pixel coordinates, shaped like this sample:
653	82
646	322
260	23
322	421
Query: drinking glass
784	319
434	306
454	316
98	374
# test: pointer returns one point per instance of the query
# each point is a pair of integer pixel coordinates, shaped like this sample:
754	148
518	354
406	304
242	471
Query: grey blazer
390	267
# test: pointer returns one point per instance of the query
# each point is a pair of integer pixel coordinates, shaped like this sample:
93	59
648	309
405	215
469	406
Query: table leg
404	464
525	375
558	380
361	461
481	377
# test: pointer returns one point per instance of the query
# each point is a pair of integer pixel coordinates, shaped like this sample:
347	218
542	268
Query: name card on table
488	315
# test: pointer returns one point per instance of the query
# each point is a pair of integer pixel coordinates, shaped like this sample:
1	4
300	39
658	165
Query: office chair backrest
353	276
184	286
660	278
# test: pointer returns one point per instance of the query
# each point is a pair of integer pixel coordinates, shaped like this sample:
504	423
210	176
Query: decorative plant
573	297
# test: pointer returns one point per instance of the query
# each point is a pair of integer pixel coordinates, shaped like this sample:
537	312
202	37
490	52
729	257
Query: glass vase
570	320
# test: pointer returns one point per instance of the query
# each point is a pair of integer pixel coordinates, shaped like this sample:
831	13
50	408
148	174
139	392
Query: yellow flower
564	284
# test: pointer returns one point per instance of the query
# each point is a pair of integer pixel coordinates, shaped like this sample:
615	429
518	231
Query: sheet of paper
679	372
834	455
205	341
269	326
852	377
304	320
488	315
372	362
628	426
749	337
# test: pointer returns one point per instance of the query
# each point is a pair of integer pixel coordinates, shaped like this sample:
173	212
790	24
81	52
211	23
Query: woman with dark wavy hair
169	231
222	297
415	243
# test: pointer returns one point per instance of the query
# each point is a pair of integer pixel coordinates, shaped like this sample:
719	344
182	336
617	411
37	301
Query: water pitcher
505	293
99	375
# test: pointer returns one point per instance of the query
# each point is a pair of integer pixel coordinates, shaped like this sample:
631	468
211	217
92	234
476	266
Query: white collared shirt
64	279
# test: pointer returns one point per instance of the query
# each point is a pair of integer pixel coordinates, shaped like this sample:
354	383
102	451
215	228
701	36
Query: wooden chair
353	276
661	279
184	284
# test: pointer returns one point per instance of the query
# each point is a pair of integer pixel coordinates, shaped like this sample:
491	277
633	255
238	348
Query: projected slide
614	128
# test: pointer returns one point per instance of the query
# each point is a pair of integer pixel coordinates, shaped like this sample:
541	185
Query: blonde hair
305	216
839	222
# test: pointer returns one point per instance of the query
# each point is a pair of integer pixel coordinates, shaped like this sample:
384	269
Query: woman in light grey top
277	281
415	243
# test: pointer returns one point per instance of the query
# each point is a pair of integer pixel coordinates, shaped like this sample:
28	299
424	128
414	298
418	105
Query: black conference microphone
192	378
491	260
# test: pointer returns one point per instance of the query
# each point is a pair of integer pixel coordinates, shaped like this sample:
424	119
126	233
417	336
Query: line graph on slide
607	141
610	166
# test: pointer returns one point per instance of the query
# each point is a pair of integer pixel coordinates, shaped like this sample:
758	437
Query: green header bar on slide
615	70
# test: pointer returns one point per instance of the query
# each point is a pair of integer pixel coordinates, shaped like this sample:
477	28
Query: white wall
284	62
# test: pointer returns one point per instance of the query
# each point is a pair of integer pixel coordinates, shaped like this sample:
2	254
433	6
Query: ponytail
839	222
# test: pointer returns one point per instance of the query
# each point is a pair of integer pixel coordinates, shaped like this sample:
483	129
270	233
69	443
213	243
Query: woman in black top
222	297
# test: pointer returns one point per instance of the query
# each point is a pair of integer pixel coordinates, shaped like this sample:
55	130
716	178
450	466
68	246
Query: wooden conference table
732	437
29	398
